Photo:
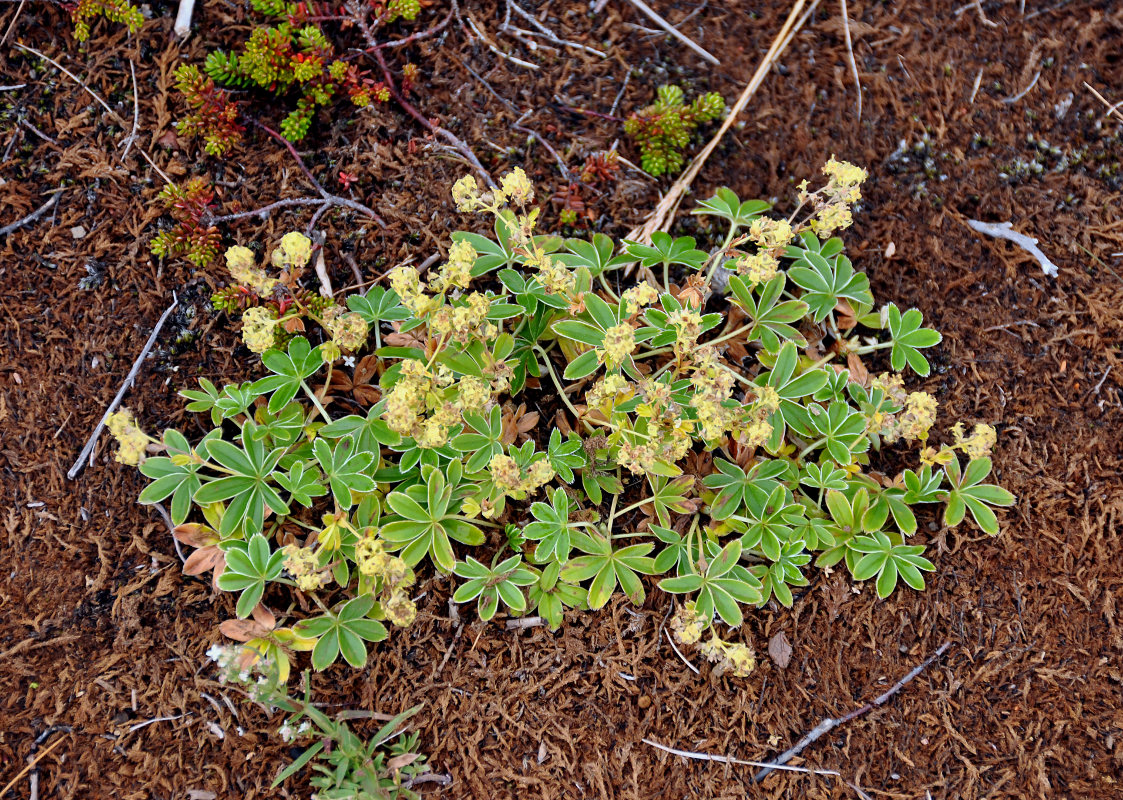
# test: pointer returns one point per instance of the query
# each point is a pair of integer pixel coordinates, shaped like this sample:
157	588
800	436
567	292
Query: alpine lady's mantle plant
723	443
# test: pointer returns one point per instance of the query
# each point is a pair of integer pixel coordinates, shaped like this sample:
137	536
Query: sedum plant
84	12
714	444
663	129
292	58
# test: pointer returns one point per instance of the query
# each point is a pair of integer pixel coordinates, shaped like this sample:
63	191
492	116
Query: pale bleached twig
1004	230
663	631
522	623
850	52
830	724
148	722
653	15
182	25
1011	100
84	456
1111	109
34	215
975	88
742	762
136	115
549	34
491	46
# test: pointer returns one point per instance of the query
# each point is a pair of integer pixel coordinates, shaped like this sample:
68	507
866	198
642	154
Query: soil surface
100	632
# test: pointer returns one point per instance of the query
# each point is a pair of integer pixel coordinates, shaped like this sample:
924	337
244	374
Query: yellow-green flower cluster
640	295
426	405
552	274
407	284
688	625
918	416
515	187
979	443
466	194
293	252
259	328
465	321
753	429
687	323
729	656
608	391
757	268
713	385
845	180
457	273
348	330
771	234
242	265
515	482
131	440
304	566
619	343
394	574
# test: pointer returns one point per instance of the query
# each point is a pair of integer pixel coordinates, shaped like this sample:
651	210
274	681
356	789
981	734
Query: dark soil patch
99	630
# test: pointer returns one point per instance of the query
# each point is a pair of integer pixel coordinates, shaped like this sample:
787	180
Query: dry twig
1111	109
850	52
1004	230
668	205
675	32
84	456
830	724
34	215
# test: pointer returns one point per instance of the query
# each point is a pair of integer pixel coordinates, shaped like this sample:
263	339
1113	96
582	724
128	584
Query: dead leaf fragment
780	650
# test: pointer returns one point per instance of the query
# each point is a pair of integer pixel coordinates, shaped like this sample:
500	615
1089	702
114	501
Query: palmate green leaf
489	585
791	388
968	492
249	566
671	496
726	205
842	431
582	366
378	305
608	567
734	485
551	528
290	370
247	486
772	320
170	479
909	338
565	456
665	250
596	255
369	432
766	523
826	282
428	520
550	595
302	483
887	560
346	469
482	441
778	578
226	403
343	632
722	588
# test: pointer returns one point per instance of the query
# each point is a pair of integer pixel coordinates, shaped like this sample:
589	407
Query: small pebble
644	702
78	232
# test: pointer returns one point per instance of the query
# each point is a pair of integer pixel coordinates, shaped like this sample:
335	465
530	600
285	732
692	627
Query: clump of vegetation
192	235
720	444
83	12
292	58
663	129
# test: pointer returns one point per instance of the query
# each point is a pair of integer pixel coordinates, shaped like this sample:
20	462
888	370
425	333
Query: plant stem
315	401
869	348
561	391
810	447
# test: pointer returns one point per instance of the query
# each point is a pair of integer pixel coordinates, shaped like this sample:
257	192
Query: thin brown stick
84	456
34	215
829	724
1111	109
669	204
31	765
436	130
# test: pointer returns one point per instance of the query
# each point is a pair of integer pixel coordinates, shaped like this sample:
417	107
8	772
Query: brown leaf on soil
780	650
858	372
517	423
242	630
362	384
404	760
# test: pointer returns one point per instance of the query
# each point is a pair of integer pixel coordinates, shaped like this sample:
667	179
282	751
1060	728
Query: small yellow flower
473	393
466	194
399	609
741	660
770	234
688	625
918	416
517	187
844	173
979	444
458	271
131	440
758	268
259	328
619	343
348	329
241	264
504	472
371	557
293	252
638	296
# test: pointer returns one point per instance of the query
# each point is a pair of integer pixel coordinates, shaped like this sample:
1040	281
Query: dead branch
34	215
1004	230
675	32
669	204
829	724
84	456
